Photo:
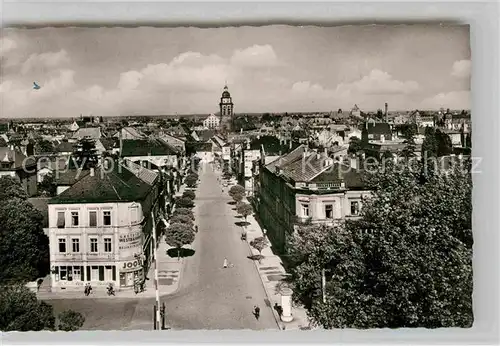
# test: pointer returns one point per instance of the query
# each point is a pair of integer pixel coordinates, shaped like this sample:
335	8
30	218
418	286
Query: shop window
63	273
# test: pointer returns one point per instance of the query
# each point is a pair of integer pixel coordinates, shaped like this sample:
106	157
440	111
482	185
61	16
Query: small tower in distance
226	108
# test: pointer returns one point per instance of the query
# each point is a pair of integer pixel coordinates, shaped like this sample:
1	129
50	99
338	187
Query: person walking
256	311
224	265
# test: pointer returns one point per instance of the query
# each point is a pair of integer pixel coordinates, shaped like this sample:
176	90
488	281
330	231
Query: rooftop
145	147
118	185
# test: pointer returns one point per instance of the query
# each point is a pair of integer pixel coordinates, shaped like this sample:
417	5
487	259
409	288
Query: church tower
226	107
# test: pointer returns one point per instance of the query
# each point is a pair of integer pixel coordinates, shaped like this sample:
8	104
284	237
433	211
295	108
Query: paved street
209	296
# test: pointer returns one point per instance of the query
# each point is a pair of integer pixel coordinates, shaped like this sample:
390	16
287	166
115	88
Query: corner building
100	229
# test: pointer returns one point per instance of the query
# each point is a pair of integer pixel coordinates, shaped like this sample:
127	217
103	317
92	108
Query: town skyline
113	72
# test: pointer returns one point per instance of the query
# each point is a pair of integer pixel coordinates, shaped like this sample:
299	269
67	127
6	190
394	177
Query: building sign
131	240
131	265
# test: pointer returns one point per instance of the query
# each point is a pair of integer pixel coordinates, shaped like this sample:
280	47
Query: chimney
325	151
290	144
318	156
386	112
121	141
92	173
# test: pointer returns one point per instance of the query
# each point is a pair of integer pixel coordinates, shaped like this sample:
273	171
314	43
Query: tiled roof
285	159
145	147
272	145
146	175
17	158
339	172
202	147
119	185
305	169
134	132
69	177
91	132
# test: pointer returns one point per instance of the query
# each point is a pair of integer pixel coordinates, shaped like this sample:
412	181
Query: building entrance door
130	279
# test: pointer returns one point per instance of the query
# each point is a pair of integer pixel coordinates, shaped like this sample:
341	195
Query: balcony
328	186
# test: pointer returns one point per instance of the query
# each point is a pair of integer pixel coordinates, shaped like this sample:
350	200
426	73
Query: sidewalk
271	272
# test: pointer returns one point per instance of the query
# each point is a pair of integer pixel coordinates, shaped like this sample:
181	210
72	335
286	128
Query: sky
160	71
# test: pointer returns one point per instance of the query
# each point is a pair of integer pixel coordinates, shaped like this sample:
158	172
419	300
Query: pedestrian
90	289
278	309
256	311
86	289
225	263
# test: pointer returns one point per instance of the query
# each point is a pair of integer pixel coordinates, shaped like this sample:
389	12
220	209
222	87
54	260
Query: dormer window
6	165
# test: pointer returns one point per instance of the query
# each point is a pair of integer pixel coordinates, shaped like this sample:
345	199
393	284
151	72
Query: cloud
255	56
452	99
45	60
7	45
461	69
378	82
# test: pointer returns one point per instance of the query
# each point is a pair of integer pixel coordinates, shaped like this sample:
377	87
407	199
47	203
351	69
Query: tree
444	146
355	145
406	263
48	187
44	146
244	209
70	320
11	188
24	248
409	133
259	244
184	211
185	219
436	143
191	181
178	235
237	197
236	189
184	202
21	311
85	155
189	194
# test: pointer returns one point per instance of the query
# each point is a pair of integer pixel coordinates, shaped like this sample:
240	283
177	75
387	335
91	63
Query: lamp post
157	310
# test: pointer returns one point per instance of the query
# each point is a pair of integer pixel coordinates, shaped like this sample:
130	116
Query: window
106	218
75	244
355	208
60	219
107	244
134	214
93	218
62	245
329	211
77	273
93	244
74	218
305	210
63	273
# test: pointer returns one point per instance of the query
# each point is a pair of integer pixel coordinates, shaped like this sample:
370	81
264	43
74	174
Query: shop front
131	272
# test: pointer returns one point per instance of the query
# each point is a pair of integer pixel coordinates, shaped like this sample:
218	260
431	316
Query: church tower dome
226	108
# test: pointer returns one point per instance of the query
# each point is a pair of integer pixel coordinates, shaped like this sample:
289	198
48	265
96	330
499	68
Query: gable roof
14	156
203	147
132	131
118	185
90	132
205	135
146	175
379	128
145	147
